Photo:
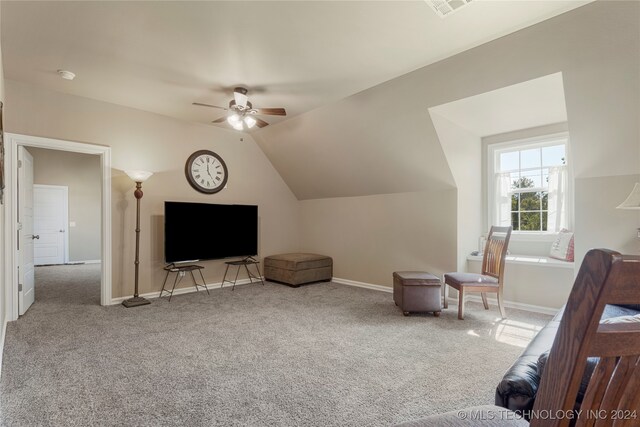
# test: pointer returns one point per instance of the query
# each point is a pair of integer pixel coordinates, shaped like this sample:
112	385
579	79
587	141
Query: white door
26	292
50	210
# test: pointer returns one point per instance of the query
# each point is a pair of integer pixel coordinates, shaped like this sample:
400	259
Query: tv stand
246	262
181	271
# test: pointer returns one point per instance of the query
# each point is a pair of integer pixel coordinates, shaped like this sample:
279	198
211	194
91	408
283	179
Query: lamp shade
139	176
233	119
250	121
633	200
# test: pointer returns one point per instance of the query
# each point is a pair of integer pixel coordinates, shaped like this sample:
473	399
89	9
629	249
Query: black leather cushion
517	389
588	370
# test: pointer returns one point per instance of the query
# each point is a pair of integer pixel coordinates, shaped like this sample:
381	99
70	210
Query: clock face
206	171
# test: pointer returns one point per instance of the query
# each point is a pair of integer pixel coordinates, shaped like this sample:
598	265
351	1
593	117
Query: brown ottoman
296	269
417	291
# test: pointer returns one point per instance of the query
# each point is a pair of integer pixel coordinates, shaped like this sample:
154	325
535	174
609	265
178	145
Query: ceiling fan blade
260	123
220	120
240	96
208	105
271	111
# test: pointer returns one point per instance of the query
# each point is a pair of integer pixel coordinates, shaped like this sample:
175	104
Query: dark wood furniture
612	397
492	277
181	271
605	277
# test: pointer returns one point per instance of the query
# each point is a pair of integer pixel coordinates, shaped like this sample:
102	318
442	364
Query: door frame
13	141
66	215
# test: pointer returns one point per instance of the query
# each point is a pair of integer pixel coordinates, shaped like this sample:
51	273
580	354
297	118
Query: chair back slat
598	386
615	382
629	398
625	367
495	252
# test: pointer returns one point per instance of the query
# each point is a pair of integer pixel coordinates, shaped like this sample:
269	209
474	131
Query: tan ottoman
416	292
297	269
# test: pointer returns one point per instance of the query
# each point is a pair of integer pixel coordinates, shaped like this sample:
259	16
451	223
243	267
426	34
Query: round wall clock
206	171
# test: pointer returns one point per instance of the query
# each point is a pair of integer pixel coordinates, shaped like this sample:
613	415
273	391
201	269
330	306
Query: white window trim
524	143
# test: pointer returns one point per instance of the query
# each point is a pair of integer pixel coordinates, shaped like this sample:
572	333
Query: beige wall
141	140
81	173
3	289
595	206
369	237
366	145
597	49
463	152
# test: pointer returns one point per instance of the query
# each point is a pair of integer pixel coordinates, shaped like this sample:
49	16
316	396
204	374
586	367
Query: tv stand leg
234	282
204	283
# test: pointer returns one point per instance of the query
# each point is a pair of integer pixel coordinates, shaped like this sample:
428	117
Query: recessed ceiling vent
444	8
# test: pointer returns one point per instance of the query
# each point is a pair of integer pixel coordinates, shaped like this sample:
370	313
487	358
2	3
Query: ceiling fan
241	112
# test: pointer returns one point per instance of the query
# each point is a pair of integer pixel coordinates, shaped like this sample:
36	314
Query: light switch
72	223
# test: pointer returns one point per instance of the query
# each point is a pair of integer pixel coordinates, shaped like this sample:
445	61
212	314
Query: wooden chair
491	278
612	396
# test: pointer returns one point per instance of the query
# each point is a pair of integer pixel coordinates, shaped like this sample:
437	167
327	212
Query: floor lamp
139	177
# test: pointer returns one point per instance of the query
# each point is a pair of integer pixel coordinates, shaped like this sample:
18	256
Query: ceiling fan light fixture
238	125
249	121
234	119
240	96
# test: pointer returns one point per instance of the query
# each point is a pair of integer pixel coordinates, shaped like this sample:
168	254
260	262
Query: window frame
494	150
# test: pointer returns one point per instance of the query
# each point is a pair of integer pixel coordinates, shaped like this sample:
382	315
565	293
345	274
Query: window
530	184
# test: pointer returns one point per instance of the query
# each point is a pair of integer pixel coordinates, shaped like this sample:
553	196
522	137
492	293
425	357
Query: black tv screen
200	231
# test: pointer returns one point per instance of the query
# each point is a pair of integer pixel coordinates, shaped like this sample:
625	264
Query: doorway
14	227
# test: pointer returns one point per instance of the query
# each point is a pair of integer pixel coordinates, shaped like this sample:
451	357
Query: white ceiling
533	103
162	56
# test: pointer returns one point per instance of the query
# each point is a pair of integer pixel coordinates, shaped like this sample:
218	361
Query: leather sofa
518	388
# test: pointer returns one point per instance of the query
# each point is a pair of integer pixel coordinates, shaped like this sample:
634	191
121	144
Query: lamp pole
137	300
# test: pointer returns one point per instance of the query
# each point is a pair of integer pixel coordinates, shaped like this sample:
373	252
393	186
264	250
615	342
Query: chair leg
501	305
461	303
484	300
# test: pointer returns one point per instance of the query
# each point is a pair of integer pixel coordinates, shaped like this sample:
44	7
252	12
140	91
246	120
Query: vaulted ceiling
301	55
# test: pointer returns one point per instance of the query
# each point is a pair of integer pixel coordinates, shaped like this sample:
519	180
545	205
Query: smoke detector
444	8
67	75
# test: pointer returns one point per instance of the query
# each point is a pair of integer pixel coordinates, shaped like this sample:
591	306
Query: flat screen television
201	231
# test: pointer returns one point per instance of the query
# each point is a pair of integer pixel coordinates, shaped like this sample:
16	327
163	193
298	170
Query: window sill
535	261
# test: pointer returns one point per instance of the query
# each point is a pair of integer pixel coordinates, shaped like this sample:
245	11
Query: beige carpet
320	355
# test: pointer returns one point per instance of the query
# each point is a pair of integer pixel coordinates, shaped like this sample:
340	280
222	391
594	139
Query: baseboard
362	285
453	301
180	291
508	304
3	334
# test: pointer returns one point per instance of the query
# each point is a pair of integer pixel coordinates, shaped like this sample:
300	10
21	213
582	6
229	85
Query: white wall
142	140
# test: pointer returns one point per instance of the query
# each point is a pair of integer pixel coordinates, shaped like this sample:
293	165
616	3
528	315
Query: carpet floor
319	355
